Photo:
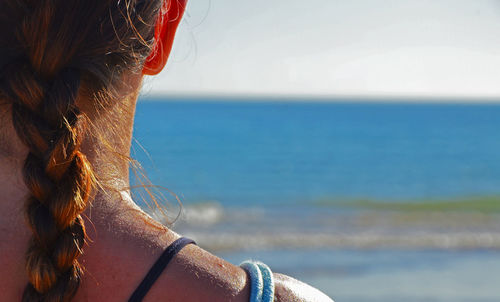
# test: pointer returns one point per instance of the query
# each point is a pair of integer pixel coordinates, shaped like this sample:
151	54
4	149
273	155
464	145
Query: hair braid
57	175
43	91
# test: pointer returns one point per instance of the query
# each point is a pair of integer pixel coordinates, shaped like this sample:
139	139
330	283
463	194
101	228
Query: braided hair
56	55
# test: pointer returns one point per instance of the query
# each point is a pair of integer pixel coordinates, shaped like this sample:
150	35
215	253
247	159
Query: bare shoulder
122	254
197	275
288	289
203	276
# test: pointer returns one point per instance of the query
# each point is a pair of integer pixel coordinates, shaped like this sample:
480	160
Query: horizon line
390	98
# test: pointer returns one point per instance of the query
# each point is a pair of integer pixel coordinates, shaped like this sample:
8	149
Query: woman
71	72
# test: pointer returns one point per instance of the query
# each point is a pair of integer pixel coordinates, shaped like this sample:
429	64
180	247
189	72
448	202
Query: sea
366	200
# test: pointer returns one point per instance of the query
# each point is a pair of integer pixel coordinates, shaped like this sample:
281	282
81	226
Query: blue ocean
368	201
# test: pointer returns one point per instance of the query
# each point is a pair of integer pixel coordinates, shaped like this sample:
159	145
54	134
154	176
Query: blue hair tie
267	277
261	281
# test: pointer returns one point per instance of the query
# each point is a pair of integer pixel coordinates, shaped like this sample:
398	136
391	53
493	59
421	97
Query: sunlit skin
124	242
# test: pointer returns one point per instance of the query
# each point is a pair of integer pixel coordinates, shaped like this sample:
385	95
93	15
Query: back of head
58	58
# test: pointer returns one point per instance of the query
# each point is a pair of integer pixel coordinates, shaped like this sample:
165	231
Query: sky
332	48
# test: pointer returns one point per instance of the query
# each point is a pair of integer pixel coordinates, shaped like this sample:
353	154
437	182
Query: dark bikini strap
158	268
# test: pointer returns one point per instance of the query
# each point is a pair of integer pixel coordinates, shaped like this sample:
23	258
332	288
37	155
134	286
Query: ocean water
400	200
242	153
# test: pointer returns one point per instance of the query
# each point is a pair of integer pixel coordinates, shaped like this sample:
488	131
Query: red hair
54	55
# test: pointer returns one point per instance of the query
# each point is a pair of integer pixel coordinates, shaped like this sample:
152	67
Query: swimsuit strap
158	268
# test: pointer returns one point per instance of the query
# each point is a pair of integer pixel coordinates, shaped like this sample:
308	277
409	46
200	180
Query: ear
166	26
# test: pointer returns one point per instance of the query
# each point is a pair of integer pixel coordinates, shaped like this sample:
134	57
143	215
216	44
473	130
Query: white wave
203	214
200	214
363	240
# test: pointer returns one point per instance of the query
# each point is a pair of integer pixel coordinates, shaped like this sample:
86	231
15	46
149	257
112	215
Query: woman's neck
107	146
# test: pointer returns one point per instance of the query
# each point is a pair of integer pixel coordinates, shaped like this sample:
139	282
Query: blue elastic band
256	283
267	277
261	281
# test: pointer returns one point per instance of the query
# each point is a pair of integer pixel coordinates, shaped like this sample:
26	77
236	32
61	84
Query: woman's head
62	63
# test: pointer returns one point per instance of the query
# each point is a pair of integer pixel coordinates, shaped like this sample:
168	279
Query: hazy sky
334	48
